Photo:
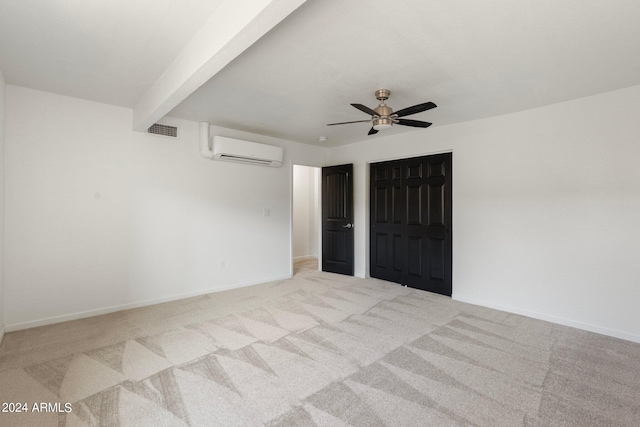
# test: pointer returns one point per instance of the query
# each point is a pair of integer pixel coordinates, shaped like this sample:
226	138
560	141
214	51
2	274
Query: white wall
99	217
546	207
305	211
2	91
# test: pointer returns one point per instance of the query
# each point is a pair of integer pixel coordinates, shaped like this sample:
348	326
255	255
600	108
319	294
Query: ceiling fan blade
413	123
346	123
365	109
373	131
415	109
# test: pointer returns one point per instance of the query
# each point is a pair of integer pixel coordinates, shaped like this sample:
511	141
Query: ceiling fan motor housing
384	121
383	110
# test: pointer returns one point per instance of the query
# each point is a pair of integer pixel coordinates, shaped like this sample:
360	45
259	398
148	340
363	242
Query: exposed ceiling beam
227	33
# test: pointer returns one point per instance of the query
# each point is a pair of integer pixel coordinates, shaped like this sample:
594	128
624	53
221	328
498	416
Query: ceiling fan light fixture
383	117
382	123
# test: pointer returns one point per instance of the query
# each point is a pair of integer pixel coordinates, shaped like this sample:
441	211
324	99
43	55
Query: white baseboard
128	306
554	319
301	257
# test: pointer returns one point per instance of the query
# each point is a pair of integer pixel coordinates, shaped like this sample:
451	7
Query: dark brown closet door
411	240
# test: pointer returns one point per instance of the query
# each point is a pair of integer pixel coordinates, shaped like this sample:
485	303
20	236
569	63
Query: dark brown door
411	216
337	219
388	228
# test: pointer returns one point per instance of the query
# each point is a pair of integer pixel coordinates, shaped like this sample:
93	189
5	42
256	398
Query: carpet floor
317	350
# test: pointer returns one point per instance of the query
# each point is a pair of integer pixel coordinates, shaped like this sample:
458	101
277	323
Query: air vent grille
164	130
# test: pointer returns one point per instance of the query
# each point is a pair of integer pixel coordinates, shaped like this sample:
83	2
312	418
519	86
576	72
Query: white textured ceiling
474	59
106	51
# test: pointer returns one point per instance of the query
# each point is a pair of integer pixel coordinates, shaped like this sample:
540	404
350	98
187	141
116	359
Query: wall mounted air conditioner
237	150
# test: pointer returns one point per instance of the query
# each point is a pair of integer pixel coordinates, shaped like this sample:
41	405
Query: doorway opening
306	233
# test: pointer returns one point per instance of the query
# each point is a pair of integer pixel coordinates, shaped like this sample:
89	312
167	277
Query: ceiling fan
383	117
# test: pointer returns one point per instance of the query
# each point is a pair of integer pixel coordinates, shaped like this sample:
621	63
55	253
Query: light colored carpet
319	349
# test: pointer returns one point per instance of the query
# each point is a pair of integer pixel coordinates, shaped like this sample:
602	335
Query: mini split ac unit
237	150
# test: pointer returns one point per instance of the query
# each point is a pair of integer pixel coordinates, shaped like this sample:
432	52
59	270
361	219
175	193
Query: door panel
414	204
413	241
414	256
435	198
388	215
397	204
437	257
381	256
337	219
381	212
414	170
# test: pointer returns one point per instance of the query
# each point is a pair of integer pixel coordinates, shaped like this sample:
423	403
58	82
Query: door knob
349	225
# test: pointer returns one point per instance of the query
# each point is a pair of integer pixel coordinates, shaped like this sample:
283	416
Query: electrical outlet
266	212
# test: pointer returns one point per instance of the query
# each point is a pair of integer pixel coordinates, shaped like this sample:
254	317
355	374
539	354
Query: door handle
349	225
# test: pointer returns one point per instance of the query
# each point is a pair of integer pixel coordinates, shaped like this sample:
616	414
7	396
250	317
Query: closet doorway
411	222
